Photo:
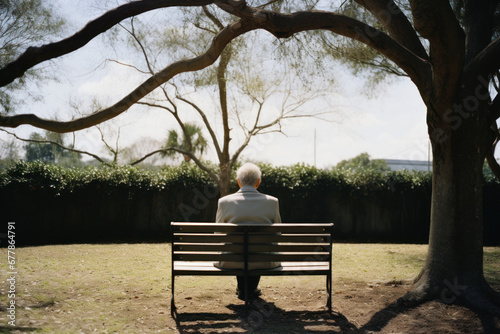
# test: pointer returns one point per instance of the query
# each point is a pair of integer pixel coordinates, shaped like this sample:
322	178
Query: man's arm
219	217
277	217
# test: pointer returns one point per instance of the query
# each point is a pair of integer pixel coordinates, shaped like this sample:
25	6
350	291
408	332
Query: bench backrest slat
256	257
238	248
228	228
253	238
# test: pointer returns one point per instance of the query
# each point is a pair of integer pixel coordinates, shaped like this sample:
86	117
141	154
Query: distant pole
314	147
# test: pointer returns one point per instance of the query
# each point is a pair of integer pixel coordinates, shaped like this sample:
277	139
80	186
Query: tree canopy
363	161
24	23
49	148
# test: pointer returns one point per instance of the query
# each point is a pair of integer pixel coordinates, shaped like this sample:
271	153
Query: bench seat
191	268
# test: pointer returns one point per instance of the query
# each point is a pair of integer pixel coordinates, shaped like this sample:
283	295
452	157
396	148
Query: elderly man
248	205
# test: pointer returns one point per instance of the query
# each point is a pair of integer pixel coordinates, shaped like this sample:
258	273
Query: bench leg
246	293
173	309
329	292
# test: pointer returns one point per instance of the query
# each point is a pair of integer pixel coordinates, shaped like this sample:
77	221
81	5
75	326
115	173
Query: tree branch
98	158
127	65
187	65
395	21
36	55
192	156
478	21
286	25
207	124
436	21
113	151
163	150
280	25
261	129
141	46
153	105
212	18
485	64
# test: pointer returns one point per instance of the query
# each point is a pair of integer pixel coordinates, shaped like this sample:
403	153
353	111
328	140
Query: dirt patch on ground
358	308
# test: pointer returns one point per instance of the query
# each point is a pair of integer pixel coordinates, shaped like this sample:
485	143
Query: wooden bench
302	249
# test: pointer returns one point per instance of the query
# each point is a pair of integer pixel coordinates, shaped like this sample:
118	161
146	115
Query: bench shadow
264	317
6	330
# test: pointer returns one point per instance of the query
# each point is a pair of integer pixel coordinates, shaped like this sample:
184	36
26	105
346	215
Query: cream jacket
248	205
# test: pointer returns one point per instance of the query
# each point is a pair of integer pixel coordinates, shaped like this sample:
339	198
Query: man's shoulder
228	197
270	198
241	196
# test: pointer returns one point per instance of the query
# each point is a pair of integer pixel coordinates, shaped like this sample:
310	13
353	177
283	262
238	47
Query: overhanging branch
98	158
286	25
280	25
486	63
187	65
36	55
397	24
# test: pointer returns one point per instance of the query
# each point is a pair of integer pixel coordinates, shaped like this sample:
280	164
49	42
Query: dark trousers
252	281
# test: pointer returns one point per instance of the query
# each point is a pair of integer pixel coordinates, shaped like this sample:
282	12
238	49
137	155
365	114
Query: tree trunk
453	272
224	179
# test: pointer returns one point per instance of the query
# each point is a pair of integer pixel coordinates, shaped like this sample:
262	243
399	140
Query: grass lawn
125	288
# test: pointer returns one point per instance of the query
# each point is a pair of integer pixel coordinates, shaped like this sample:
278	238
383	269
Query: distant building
421	165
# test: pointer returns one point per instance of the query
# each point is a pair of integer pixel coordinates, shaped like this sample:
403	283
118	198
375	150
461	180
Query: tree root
480	298
481	302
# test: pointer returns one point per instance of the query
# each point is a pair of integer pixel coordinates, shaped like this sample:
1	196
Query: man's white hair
248	174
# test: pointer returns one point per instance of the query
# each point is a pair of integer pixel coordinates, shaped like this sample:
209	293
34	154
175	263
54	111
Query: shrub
299	180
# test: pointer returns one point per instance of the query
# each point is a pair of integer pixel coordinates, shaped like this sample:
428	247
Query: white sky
391	125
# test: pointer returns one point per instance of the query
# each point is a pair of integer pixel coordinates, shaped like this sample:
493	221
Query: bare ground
358	308
297	306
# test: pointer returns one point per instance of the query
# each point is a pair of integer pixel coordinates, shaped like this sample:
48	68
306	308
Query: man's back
248	205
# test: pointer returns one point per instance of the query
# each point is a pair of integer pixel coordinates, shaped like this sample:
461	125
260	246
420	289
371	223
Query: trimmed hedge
54	204
57	181
54	180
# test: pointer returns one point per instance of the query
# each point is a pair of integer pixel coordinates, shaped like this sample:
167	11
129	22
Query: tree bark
224	179
453	271
458	120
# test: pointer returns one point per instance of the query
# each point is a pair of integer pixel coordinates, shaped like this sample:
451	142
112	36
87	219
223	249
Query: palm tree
192	142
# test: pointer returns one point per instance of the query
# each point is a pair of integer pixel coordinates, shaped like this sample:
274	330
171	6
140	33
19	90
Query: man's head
249	175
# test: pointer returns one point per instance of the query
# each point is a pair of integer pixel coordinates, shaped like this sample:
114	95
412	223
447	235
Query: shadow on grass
8	330
380	319
490	320
264	317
